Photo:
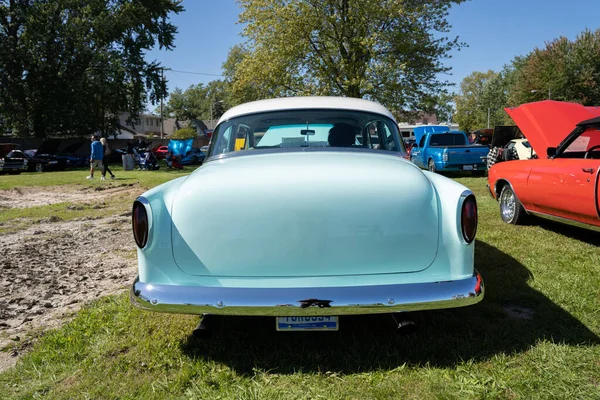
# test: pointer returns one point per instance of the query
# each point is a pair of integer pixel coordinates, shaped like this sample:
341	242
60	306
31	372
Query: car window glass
305	128
390	139
447	139
584	142
222	146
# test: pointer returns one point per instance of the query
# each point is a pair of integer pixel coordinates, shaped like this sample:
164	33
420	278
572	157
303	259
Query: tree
69	68
564	70
390	51
239	89
442	106
481	94
198	101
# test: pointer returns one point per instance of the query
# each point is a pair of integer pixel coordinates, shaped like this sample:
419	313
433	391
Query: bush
184	133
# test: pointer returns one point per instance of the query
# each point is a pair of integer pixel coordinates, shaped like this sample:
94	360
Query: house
145	125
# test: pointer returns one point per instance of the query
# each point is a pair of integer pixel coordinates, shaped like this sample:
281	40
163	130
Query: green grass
147	179
535	335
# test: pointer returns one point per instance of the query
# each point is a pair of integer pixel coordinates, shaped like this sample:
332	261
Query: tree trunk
38	127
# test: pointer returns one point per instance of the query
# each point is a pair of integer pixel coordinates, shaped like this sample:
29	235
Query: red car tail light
139	222
468	218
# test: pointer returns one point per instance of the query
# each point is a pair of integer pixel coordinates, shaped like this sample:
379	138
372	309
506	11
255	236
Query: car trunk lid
305	214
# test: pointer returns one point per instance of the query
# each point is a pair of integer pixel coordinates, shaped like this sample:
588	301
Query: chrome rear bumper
307	301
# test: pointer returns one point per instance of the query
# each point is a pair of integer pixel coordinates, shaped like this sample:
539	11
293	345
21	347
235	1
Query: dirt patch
25	197
51	269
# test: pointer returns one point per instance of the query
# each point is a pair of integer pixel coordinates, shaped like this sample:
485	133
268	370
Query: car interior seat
342	135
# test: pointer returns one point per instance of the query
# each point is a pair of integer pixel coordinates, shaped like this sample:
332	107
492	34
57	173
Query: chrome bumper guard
307	301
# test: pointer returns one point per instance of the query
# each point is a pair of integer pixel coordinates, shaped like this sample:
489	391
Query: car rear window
448	139
297	129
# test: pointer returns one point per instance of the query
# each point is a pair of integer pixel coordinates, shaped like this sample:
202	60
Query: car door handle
588	170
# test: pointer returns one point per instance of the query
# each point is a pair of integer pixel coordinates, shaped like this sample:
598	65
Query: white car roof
303	103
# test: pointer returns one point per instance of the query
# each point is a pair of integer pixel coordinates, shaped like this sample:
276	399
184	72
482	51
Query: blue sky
495	30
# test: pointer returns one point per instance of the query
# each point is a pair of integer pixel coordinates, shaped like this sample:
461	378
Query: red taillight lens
468	218
139	222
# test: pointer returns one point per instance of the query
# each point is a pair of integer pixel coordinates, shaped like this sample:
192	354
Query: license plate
307	323
467	167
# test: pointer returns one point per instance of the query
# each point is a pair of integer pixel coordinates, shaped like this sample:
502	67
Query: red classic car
564	185
160	152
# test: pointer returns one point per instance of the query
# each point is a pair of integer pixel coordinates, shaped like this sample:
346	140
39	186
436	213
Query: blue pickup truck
440	149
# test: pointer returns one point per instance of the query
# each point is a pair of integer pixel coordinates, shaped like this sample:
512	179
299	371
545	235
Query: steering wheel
590	150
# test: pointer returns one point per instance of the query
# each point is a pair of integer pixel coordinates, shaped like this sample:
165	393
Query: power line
192	73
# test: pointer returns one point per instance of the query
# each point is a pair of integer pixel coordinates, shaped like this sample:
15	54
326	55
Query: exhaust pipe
202	331
404	326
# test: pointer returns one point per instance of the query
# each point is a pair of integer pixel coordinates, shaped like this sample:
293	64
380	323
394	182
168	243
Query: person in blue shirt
97	153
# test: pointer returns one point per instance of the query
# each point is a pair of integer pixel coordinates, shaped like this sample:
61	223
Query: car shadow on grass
582	234
511	318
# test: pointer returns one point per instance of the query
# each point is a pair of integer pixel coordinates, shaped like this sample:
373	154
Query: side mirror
551	152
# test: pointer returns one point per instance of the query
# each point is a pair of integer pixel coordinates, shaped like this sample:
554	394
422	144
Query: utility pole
162	124
211	114
488	118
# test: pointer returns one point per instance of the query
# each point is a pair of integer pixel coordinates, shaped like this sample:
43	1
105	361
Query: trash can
128	163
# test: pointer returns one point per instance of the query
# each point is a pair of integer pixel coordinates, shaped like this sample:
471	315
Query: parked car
41	162
565	184
12	163
482	136
448	151
193	157
160	152
289	217
522	148
75	152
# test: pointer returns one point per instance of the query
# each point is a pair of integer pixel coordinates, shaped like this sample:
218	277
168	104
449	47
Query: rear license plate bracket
317	323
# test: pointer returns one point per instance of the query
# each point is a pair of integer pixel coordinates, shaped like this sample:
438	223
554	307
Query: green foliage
198	101
564	70
442	106
387	50
184	133
68	68
474	99
239	91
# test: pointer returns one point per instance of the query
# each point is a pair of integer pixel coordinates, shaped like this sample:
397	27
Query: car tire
511	209
431	166
39	167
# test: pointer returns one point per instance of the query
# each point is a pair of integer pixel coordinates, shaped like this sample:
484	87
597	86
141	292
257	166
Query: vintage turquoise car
306	209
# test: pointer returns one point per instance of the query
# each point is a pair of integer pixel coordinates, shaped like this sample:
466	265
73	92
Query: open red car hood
546	123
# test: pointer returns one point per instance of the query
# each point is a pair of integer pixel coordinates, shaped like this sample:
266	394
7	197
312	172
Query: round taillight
139	222
468	218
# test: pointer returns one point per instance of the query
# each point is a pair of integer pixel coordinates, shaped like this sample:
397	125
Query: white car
523	148
306	209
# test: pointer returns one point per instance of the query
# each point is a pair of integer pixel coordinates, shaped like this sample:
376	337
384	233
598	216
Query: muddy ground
49	270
